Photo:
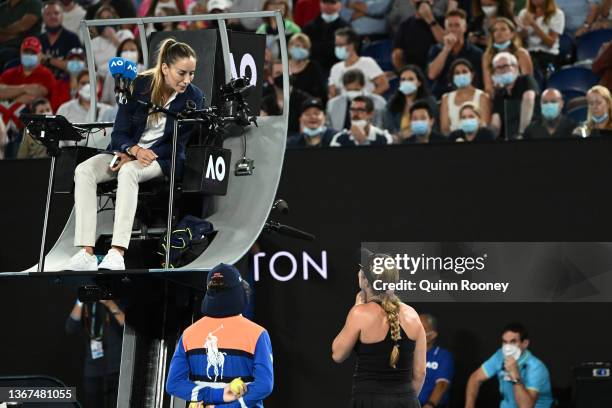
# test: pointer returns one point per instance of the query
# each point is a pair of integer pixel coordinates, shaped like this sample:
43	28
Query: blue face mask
600	119
469	125
314	132
341	52
502	46
407	87
419	127
550	110
330	18
462	80
504	79
75	66
299	53
29	60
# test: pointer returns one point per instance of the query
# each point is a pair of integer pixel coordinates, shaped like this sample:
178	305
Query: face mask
550	110
341	53
469	125
158	26
353	94
419	127
29	60
600	119
53	30
101	29
462	80
329	18
504	79
407	87
85	92
299	53
502	46
278	81
314	132
362	123
130	55
489	10
511	350
75	66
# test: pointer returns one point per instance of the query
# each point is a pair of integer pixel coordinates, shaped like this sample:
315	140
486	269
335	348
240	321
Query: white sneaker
113	261
82	261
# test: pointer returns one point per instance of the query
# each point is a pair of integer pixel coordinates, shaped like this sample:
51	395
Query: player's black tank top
374	375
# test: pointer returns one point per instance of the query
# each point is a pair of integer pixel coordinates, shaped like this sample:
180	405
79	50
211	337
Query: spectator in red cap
20	86
30	79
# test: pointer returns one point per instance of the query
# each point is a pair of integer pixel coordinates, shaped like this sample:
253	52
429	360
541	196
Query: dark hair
459	61
353	75
180	6
457	13
39	101
350	34
369	105
516	327
127	40
431	319
398	100
503	9
421	104
82	74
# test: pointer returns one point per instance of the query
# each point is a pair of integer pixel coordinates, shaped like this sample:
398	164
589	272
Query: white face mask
85	92
489	10
353	94
130	55
511	350
362	123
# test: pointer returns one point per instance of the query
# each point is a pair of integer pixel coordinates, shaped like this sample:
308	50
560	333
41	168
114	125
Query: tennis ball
237	386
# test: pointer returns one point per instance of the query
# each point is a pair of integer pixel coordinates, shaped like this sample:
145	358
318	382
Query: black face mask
158	26
101	29
278	81
53	30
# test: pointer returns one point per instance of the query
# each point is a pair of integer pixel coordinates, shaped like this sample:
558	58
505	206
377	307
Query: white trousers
86	178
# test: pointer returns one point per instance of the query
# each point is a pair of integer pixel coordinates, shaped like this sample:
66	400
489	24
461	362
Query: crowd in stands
361	72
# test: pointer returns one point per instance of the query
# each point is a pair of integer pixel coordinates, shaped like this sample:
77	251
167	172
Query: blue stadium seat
381	52
393	85
589	44
573	81
566	49
12	63
579	113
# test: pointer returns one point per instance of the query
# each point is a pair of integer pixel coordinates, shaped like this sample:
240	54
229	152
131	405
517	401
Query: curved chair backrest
381	52
576	79
589	44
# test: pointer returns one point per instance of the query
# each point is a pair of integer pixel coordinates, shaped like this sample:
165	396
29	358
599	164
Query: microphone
116	66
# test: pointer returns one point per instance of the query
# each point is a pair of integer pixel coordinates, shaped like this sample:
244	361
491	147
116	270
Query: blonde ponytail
169	51
391	306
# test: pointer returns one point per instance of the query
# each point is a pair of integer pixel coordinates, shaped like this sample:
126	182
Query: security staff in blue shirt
440	367
524	381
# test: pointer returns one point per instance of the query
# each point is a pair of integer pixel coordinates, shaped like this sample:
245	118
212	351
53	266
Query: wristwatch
515	381
433	23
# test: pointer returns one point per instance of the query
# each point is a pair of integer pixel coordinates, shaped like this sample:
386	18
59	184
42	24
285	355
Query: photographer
142	145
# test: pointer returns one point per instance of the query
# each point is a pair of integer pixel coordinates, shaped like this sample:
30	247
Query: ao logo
246	61
432	364
216	170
